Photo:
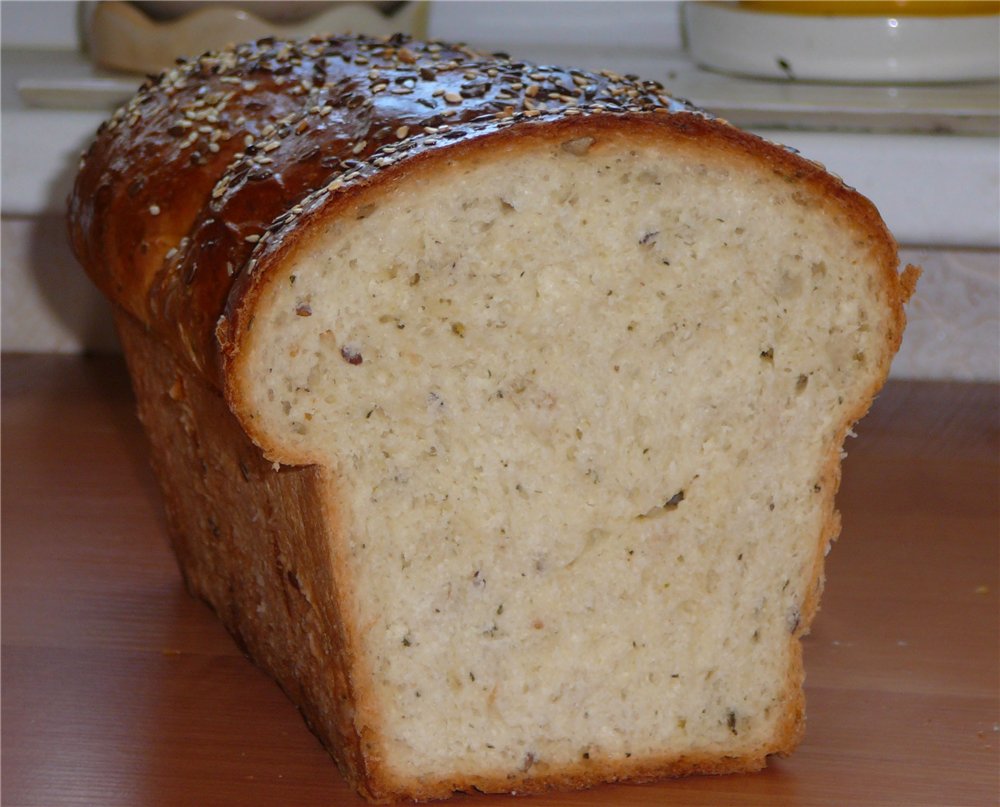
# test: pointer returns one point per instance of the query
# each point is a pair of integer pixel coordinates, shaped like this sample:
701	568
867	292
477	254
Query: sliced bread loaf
498	408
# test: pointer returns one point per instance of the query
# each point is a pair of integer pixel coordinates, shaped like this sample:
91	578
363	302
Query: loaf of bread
497	408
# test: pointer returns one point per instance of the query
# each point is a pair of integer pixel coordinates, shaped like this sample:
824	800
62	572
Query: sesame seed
453	98
402	132
252	239
154	210
359	147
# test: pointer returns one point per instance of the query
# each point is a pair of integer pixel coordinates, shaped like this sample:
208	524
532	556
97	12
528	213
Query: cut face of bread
581	401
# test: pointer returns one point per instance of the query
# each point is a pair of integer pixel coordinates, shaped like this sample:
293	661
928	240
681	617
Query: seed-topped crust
215	157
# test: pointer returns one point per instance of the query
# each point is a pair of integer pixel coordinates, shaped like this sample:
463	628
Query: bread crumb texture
584	408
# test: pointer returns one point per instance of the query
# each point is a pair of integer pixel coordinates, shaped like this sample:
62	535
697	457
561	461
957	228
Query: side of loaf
498	408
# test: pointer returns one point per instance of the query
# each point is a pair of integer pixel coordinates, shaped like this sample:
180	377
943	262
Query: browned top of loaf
214	157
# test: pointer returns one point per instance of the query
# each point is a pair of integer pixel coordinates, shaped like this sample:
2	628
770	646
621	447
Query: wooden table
120	689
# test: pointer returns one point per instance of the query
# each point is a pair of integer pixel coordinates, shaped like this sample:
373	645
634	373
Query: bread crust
200	193
197	183
209	156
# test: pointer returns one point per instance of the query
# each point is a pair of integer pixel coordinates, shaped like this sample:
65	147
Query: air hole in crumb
768	355
673	501
801	383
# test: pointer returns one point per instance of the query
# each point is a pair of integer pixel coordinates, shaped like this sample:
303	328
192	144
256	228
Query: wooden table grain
120	689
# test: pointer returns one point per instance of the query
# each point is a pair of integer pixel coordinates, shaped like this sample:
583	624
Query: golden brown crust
190	191
252	542
585	774
207	158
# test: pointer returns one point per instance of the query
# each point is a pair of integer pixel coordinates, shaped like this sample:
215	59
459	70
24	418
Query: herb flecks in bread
513	399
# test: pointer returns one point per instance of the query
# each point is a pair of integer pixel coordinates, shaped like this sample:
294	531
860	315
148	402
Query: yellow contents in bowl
876	8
